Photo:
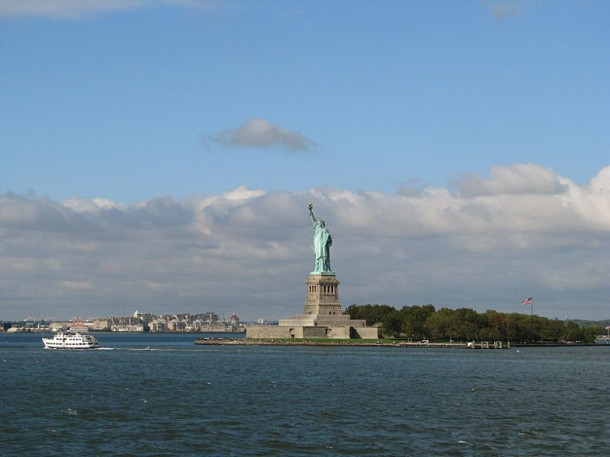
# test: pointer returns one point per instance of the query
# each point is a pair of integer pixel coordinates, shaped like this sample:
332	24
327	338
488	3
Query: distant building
158	325
146	318
234	320
101	325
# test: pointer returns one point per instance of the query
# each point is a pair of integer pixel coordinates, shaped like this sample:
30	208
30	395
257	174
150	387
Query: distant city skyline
161	155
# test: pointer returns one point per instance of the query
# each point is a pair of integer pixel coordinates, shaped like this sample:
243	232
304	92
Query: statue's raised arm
313	218
321	244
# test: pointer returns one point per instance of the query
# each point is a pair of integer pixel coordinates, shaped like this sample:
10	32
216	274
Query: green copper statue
321	245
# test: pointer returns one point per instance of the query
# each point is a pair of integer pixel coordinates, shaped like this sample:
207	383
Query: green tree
373	314
590	333
439	325
551	330
496	326
391	324
418	322
573	332
466	324
414	320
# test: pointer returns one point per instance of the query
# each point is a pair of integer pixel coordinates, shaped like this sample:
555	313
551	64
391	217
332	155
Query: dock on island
355	342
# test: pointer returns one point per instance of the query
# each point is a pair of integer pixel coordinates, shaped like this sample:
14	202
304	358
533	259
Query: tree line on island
425	322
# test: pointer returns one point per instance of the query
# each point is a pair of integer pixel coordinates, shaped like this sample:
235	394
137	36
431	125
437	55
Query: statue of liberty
321	244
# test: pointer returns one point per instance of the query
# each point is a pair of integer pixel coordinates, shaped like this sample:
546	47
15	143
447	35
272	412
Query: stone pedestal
322	316
322	295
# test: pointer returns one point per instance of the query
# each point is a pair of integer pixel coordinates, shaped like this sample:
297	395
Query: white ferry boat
70	340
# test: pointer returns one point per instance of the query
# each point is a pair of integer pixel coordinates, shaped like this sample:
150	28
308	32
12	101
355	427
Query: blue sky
121	105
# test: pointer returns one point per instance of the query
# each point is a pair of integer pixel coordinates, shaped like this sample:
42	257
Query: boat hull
70	341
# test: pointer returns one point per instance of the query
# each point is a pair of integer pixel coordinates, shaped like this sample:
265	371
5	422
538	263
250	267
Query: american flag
527	301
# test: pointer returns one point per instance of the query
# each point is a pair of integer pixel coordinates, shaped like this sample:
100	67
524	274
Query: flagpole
532	319
530	301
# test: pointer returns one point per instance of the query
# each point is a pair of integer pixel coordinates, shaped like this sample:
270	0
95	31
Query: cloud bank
485	244
259	133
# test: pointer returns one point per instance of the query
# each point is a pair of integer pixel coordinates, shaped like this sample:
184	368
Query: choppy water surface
160	395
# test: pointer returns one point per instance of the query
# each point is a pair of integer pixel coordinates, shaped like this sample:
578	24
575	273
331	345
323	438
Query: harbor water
162	395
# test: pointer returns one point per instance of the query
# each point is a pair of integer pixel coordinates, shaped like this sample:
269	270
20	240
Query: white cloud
72	9
249	251
93	205
505	8
259	133
514	179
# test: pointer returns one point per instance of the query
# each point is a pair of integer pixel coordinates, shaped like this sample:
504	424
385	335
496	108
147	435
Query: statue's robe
321	243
